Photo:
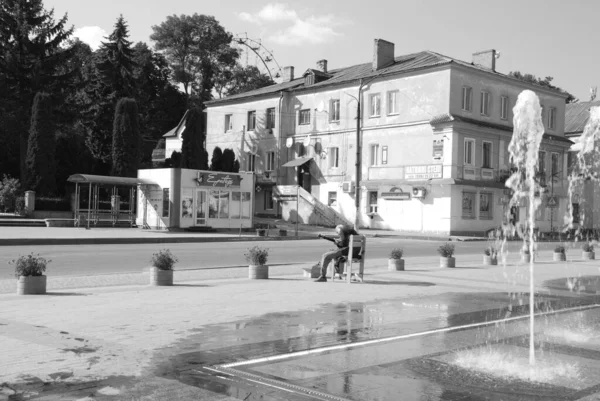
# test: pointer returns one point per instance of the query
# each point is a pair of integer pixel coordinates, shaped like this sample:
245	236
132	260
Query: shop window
252	120
487	155
485	205
468	205
223	204
333	155
187	204
334	113
332	199
372	202
166	203
268	200
235	210
245	205
271	117
213	204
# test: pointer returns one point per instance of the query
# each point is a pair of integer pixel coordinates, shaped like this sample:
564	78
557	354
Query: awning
108	180
298	162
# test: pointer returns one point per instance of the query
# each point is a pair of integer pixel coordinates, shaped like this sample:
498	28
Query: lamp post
358	159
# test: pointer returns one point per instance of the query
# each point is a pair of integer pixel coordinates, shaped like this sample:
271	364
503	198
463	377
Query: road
78	260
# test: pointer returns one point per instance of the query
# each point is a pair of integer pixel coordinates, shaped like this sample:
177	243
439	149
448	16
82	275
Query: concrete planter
161	277
559	257
395	265
30	285
447	262
258	272
489	260
525	257
588	255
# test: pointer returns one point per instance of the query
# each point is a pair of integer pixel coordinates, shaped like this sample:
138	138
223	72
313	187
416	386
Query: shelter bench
56	222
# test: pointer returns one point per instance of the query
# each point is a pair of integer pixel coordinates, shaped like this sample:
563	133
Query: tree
229	162
546	82
196	47
126	139
32	47
116	65
231	81
193	154
40	162
216	163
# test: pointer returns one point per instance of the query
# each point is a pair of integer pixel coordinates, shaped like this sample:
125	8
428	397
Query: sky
542	37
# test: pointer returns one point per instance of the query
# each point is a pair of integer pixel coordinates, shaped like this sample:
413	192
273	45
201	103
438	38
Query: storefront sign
423	172
396	195
218	180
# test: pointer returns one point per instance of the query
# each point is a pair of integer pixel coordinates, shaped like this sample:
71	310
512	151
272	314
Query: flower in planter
29	265
587	247
446	250
559	249
164	260
257	256
396	253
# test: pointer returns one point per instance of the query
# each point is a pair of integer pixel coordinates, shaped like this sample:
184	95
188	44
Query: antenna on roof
593	91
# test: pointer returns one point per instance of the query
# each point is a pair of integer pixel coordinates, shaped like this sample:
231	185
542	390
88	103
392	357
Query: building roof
577	115
108	180
402	64
175	131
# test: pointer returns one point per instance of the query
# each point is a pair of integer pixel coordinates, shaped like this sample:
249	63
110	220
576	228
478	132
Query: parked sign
423	172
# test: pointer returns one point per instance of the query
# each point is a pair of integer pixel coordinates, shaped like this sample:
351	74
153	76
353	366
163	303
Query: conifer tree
126	139
229	162
40	161
193	154
216	162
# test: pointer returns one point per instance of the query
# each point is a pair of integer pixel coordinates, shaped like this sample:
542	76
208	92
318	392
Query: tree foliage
40	163
231	81
216	162
546	82
229	163
193	153
126	139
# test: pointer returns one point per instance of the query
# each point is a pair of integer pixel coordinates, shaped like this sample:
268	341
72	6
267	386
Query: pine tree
126	139
40	161
116	65
216	162
229	161
193	154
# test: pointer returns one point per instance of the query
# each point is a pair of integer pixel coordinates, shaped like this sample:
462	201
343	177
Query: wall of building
151	199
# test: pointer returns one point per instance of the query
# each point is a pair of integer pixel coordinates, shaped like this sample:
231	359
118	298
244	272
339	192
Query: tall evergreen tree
32	48
40	162
126	139
193	153
216	162
229	162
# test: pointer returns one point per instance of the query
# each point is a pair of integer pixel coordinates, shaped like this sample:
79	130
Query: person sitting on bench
343	244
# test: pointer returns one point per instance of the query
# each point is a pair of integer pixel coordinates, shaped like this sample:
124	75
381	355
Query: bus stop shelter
109	210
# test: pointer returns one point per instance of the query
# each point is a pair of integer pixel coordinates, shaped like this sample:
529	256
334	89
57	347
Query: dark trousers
327	257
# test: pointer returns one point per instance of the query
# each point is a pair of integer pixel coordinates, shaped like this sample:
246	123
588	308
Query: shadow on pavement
67	294
191	285
409	283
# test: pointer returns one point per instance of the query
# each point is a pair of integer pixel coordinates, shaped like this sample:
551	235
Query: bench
56	222
346	267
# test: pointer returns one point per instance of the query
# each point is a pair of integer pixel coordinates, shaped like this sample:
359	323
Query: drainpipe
358	158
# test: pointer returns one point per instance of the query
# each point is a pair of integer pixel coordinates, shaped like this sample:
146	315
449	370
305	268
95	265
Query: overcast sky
543	37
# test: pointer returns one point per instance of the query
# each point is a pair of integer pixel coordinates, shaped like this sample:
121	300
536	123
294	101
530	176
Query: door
201	208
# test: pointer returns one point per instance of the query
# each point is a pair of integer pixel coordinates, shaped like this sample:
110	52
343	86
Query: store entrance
201	207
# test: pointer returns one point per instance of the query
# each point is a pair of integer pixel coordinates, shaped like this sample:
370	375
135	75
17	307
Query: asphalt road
78	260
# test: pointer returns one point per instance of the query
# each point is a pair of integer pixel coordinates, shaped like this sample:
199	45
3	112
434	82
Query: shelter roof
108	180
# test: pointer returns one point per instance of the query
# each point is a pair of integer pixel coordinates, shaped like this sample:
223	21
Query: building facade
434	134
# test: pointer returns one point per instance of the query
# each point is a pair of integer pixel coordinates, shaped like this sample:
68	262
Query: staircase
323	214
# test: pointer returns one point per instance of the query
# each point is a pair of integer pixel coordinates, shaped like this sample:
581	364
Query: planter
490	260
559	257
261	232
525	257
28	285
447	262
395	265
283	233
312	272
258	272
160	277
588	255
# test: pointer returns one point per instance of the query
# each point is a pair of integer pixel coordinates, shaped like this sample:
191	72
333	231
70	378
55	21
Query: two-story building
434	136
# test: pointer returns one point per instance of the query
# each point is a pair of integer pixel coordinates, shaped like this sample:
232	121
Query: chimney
485	59
288	74
322	65
383	54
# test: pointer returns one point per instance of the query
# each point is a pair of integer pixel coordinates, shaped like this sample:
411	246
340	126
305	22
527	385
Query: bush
587	247
10	188
164	260
396	253
29	265
257	256
446	250
559	249
20	206
53	204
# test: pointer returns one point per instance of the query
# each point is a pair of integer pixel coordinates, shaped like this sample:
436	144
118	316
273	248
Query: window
252	120
268	199
485	205
467	96
543	113
485	103
468	205
575	212
271	117
251	162
166	203
270	161
392	102
228	122
332	199
374	154
384	155
542	161
469	152
552	118
334	110
554	165
504	107
375	105
304	117
334	157
487	155
372	203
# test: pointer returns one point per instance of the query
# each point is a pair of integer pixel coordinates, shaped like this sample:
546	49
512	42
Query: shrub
587	247
29	265
559	249
491	251
396	253
257	256
52	204
10	188
446	250
164	260
20	206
